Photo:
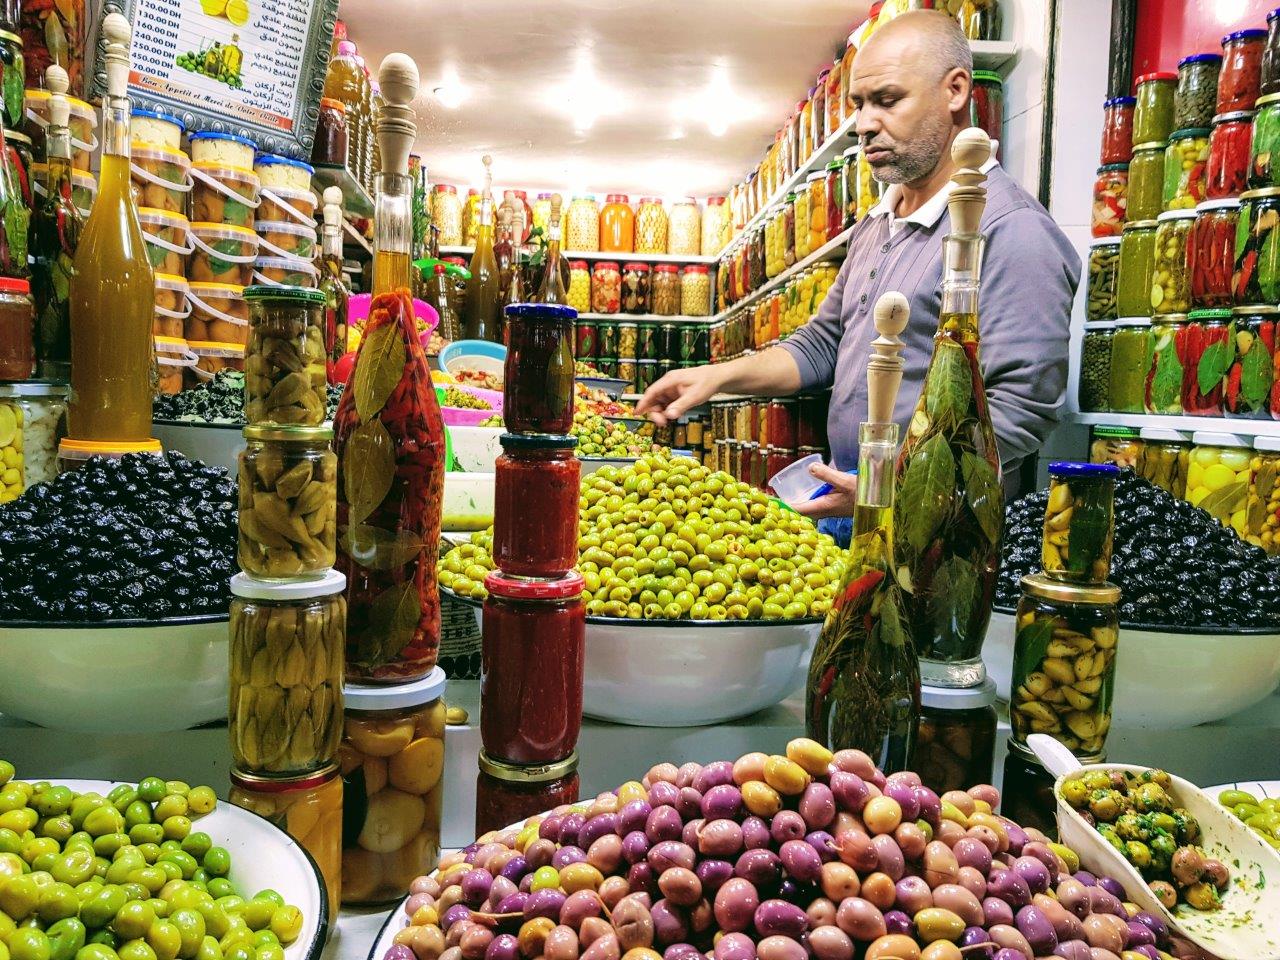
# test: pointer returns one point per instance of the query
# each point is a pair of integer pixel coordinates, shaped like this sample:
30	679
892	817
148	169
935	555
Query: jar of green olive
1064	664
1145	200
1137	266
1079	522
1170	278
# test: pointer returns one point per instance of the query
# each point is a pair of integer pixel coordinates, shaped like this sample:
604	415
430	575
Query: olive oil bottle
393	206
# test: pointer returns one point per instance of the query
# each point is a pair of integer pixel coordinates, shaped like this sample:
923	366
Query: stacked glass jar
1064	657
534	618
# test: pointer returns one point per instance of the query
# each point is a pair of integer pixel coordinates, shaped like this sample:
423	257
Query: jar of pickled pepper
1262	505
1196	96
1264	165
538	373
1146	182
1079	522
834	193
1185	162
1240	80
1211	253
1165	457
1137	266
1251	377
1119	445
1110	200
1230	155
1153	116
1256	278
1163	391
1170	278
1117	130
1204	348
585	335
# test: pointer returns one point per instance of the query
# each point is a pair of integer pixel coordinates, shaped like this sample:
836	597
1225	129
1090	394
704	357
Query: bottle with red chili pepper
509	793
1230	147
1247	389
1241	78
1211	253
1257	270
1205	352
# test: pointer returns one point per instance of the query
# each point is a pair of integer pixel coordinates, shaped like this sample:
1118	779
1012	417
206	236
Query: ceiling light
450	95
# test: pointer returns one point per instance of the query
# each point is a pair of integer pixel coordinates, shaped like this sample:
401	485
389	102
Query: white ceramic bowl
1168	679
468	501
262	857
217	444
128	676
476	449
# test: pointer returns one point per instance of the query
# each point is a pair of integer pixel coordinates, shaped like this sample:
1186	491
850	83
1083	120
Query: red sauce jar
508	794
1117	130
1241	76
17	324
1202	329
1230	146
784	423
330	146
811	429
535	510
1211	253
533	650
538	374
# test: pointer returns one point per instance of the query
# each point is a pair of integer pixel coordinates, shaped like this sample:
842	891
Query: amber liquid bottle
552	289
484	294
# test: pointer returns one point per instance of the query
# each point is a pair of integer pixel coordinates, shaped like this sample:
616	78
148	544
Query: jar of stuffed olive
1170	279
1262	505
1095	366
1079	522
1064	663
1104	269
1145	199
1118	445
1163	390
288	479
956	738
1130	363
287	652
1137	266
1165	456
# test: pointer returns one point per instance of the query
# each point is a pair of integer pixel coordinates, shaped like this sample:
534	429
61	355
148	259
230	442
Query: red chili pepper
860	587
1233	388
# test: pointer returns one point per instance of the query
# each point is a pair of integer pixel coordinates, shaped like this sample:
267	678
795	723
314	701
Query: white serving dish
1245	928
129	676
217	444
263	857
468	501
476	449
1168	679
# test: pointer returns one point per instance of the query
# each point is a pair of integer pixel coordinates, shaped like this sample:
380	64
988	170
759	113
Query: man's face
904	112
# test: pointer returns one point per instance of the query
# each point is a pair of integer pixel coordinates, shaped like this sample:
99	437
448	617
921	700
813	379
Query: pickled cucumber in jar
1079	522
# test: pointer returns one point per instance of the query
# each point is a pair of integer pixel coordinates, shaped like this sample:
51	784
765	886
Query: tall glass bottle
948	549
503	248
343	82
112	286
552	289
332	282
55	233
863	690
480	320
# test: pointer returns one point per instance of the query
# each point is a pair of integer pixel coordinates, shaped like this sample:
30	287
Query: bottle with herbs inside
55	232
947	547
552	289
332	284
863	689
480	318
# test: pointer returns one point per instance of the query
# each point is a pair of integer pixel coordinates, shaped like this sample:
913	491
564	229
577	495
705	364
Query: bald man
911	86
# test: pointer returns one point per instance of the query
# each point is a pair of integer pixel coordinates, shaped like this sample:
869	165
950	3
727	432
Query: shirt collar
929	213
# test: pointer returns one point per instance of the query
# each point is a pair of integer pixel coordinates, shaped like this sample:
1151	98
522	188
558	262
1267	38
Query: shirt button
885	248
863	298
873	274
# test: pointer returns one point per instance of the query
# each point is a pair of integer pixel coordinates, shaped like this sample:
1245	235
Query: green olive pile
1135	814
668	539
1262	815
123	877
494	421
461	400
598	437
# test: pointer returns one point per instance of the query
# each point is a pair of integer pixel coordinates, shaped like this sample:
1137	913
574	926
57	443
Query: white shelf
992	54
644	318
598	255
826	252
1246	428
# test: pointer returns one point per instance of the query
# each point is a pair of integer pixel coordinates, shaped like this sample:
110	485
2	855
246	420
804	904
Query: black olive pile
1176	565
220	400
142	536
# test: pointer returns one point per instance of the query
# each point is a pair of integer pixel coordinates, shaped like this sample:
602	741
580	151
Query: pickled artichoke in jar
1078	522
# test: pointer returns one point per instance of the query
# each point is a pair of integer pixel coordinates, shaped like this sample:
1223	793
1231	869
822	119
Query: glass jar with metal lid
834	192
1104	271
1117	130
285	374
1249	381
1240	79
850	174
1153	118
664	291
1211	253
1219	476
1166	454
1195	99
1095	367
1064	663
1137	266
392	760
1257	254
1110	200
33	419
986	106
1185	161
1264	166
1170	278
1262	505
956	738
1118	445
1230	152
508	793
1146	182
1163	390
1204	347
17	330
1079	522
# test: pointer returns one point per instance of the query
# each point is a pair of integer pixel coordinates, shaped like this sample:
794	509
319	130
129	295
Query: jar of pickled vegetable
800	215
1110	200
684	228
1130	363
1270	77
817	186
1185	161
578	293
508	793
1153	117
535	529
1095	367
1064	663
1079	522
1196	96
1137	266
1118	445
470	217
1262	505
542	212
537	380
850	187
1166	454
617	224
1104	269
582	225
647	347
1264	167
834	193
635	288
695	291
1170	279
1241	77
446	214
1211	253
986	105
1230	147
1247	388
32	421
1146	182
287	647
1117	130
773	245
1219	476
17	330
1204	347
665	297
651	226
956	739
1163	391
606	287
285	378
585	333
1257	254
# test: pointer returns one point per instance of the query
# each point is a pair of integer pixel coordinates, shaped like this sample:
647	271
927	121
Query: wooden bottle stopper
553	220
57	83
884	368
116	33
968	200
396	127
333	208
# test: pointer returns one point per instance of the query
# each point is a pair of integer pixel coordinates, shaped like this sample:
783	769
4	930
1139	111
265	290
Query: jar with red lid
1110	200
1240	81
635	288
1153	114
1270	81
508	793
783	422
538	372
535	507
533	654
606	287
1230	148
617	225
1211	253
1203	329
664	297
1117	130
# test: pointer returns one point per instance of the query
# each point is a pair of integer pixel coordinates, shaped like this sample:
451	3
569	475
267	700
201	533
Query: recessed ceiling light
450	95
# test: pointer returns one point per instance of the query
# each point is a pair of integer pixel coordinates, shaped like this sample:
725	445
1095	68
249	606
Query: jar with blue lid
1079	522
276	171
156	129
1196	96
223	149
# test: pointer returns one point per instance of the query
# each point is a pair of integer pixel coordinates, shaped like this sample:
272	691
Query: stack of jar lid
534	620
288	611
1064	658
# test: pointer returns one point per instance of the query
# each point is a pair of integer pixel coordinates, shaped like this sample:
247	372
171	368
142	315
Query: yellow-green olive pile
461	400
598	437
667	539
1136	815
1262	815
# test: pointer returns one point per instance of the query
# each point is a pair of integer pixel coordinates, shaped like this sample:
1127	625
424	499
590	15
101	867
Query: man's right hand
677	392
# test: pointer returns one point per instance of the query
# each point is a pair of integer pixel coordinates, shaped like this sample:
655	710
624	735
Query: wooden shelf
829	251
1188	425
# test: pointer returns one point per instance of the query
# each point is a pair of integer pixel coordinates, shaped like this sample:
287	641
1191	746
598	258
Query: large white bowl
1168	679
468	501
476	449
128	676
217	444
263	857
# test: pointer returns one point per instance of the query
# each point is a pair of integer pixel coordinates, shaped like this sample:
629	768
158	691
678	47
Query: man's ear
958	88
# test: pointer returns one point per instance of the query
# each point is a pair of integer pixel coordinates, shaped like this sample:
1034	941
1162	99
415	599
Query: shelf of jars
645	317
1186	424
453	251
993	54
355	198
831	250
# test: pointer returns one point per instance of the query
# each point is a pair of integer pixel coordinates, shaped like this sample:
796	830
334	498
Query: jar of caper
1095	367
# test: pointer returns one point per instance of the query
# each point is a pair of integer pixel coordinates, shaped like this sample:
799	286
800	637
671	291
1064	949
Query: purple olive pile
811	854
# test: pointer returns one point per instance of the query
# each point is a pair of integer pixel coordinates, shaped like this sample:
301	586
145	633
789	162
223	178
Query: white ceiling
686	94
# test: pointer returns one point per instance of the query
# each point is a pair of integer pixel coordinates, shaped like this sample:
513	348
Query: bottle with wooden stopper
553	289
112	285
948	545
480	319
333	283
393	205
863	690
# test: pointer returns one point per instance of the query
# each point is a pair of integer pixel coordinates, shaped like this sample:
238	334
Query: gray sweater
1029	277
